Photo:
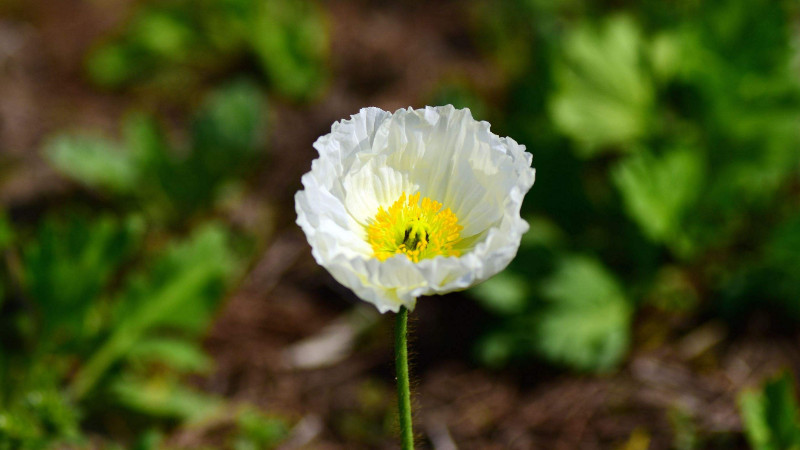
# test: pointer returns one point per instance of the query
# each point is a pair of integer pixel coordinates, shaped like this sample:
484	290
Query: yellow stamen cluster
418	229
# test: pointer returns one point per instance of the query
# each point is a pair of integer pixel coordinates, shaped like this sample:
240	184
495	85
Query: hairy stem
403	390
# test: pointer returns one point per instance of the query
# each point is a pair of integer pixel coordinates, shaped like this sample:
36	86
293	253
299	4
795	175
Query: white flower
414	203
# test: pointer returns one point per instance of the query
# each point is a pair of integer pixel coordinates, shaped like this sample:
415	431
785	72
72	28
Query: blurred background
156	292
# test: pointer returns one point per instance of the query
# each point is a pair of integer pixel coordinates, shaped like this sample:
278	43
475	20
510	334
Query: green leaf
178	292
182	355
167	34
229	128
603	96
171	42
146	143
227	137
684	430
659	191
111	65
157	35
151	439
35	413
70	262
666	55
291	43
586	322
504	293
93	161
165	398
259	431
771	416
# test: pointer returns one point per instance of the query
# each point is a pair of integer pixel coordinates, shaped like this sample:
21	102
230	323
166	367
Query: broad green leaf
178	292
586	321
659	191
771	416
95	162
603	96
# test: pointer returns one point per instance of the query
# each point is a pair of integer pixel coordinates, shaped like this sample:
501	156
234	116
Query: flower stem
403	390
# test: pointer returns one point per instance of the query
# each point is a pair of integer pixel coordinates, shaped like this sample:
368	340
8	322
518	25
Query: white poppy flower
414	203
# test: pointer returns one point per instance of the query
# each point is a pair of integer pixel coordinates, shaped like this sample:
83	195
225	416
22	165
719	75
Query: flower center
418	229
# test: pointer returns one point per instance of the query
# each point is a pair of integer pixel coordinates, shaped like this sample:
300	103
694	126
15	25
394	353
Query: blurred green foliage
104	306
771	415
585	323
603	96
174	296
658	191
167	181
259	431
181	43
667	148
582	322
83	330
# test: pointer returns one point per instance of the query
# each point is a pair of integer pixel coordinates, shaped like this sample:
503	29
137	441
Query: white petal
372	186
443	153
